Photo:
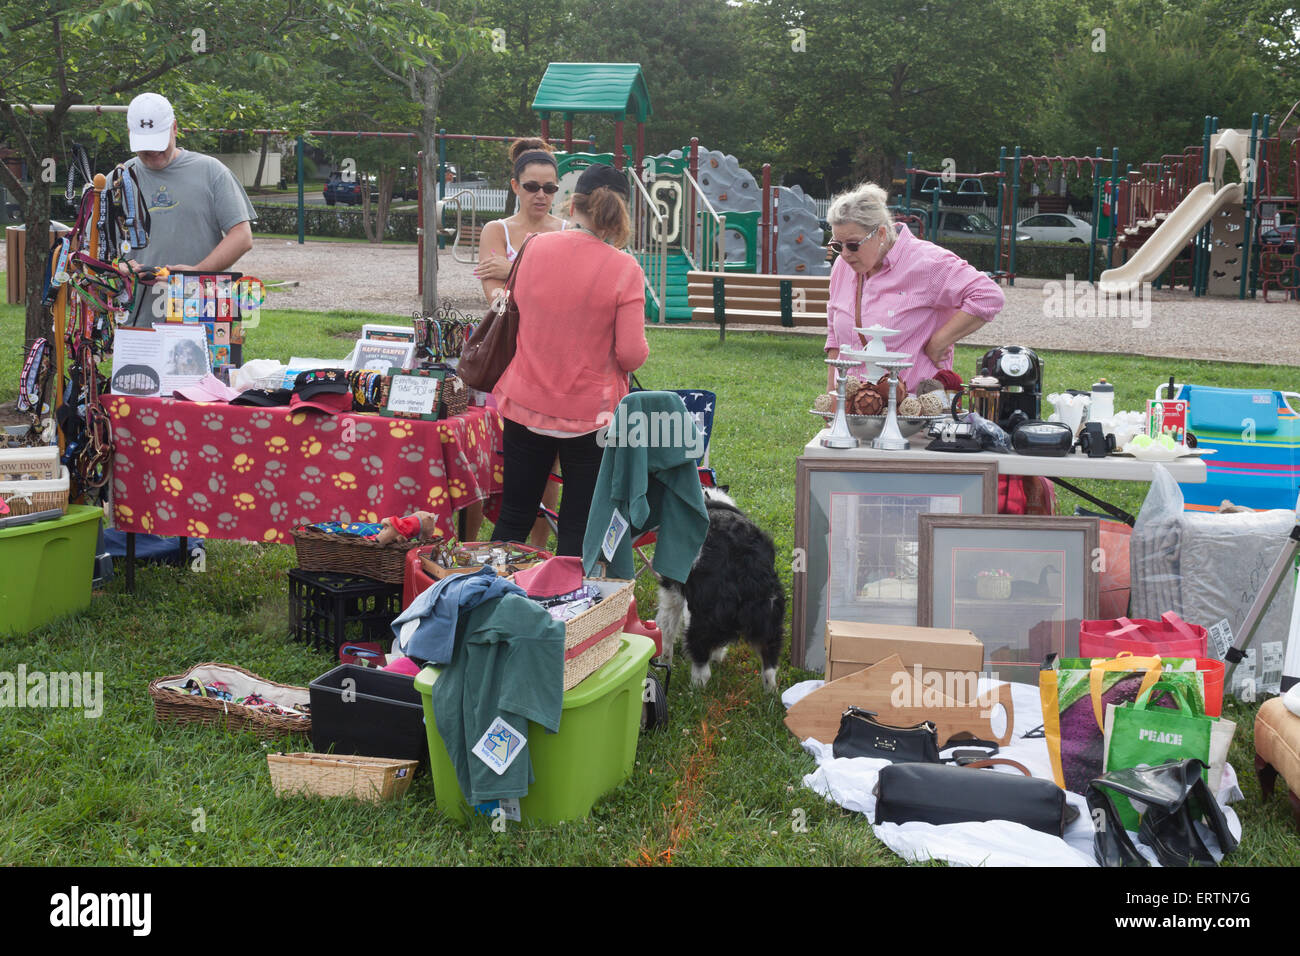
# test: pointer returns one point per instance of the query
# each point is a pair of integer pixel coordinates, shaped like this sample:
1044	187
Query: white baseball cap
149	119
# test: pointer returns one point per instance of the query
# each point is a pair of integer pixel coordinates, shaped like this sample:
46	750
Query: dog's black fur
733	592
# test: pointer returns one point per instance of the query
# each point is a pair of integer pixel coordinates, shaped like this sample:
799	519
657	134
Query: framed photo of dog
856	536
1020	583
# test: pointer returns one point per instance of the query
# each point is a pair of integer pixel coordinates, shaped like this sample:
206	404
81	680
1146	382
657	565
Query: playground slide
1170	238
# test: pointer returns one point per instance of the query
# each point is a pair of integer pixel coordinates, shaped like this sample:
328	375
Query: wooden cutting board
876	688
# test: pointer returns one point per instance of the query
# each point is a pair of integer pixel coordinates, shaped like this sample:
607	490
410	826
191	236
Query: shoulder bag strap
994	761
503	300
857	308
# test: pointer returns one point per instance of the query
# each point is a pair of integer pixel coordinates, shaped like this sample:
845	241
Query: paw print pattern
123	437
199	501
373	464
122	514
406	485
119	487
211	454
411	453
261	420
374	494
148	418
328	425
341	513
180	459
171	485
152	446
367	516
165	513
436	469
244	501
123	410
498	474
308	501
241	436
277	444
214	421
176	431
197	528
274	468
400	429
364	429
226	521
278	511
313	475
146	521
150	482
273	536
437	496
265	488
243	463
217	483
310	446
345	481
341	451
456	488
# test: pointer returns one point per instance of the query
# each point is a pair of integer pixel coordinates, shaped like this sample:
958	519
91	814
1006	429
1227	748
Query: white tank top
510	250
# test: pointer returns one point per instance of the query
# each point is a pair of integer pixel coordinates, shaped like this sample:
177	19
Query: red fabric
1025	495
239	472
408	527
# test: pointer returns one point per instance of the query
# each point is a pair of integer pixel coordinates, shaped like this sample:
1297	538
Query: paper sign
1220	638
499	746
613	535
381	356
413	395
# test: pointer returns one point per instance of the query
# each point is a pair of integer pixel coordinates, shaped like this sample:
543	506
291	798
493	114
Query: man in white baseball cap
200	215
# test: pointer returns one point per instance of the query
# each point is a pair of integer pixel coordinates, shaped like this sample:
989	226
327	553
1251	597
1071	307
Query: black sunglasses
838	247
549	188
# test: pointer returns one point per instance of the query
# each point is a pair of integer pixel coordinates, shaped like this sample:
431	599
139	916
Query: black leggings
528	460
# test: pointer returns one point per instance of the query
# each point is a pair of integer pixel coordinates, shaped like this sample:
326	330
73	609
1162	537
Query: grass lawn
720	786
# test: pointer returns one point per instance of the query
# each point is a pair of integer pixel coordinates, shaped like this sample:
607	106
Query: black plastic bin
382	715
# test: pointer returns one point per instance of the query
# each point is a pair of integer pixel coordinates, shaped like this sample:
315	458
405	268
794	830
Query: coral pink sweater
581	330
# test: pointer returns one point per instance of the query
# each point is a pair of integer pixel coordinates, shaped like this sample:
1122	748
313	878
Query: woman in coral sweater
581	331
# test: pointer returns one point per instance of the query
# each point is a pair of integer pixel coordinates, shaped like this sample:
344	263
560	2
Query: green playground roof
570	88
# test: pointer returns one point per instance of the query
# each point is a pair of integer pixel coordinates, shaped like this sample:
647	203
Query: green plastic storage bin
46	569
593	752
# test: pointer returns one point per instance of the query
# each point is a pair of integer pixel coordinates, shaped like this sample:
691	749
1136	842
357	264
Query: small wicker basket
455	396
29	497
321	551
374	779
592	638
172	706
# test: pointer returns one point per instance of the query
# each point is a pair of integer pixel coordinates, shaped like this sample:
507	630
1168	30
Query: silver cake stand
891	438
840	436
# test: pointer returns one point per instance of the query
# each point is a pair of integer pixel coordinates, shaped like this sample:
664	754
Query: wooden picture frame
412	394
876	504
1020	583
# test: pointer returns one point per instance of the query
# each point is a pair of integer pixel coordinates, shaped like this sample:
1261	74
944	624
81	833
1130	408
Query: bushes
343	222
1041	260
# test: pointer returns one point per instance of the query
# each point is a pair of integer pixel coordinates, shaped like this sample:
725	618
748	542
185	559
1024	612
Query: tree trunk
40	321
261	163
429	169
387	177
364	180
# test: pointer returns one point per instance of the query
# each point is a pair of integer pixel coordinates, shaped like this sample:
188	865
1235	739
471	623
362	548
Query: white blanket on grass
848	782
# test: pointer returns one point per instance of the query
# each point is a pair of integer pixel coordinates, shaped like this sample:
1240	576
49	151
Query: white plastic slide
1170	238
1185	221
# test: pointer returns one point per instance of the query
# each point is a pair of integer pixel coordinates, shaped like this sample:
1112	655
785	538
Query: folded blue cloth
437	609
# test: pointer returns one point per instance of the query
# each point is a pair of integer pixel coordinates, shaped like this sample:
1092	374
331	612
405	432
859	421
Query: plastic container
330	608
382	715
45	569
593	752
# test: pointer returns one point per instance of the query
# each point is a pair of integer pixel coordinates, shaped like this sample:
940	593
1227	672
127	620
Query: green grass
123	789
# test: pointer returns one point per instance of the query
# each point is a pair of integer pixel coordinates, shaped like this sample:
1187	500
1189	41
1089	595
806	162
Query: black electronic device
1095	441
1049	439
1019	371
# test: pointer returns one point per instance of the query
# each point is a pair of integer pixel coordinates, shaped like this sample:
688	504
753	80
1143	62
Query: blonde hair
607	212
865	205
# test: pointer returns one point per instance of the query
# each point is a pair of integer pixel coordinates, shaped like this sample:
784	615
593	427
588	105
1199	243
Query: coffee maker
1020	373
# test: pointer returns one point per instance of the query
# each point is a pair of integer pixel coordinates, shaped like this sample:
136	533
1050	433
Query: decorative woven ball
932	403
928	385
867	401
851	386
910	407
825	402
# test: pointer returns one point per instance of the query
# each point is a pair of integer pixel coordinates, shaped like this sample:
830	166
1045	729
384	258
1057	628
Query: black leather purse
939	793
1182	822
862	735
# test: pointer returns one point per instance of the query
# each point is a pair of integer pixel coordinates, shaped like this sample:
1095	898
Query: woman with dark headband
581	331
535	183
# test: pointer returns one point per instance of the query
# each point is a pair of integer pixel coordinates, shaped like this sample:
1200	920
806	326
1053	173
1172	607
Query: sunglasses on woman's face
549	188
838	247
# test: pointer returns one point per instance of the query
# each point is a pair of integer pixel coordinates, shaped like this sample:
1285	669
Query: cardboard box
853	645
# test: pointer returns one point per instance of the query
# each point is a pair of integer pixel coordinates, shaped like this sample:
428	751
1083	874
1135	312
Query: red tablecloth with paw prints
212	470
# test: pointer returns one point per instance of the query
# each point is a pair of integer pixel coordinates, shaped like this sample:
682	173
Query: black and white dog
732	592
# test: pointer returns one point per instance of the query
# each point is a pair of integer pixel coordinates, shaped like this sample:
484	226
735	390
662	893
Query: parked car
970	225
337	190
1282	235
1057	227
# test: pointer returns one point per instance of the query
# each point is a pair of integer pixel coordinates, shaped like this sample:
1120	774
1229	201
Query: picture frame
388	333
381	356
414	394
856	530
1020	583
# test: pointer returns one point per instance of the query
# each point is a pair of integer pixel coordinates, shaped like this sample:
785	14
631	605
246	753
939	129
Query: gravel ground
381	279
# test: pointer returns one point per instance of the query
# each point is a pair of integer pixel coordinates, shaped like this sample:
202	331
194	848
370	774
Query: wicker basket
28	497
436	571
455	396
320	551
170	706
325	775
592	638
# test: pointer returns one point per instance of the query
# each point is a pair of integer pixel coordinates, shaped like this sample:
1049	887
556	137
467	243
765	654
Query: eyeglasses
838	247
549	188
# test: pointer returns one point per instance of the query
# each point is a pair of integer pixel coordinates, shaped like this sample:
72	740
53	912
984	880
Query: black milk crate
361	710
332	608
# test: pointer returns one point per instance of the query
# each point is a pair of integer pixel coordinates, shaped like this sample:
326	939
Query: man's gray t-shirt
192	204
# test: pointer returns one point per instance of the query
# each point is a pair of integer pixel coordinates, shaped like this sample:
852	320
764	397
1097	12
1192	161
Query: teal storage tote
46	569
593	752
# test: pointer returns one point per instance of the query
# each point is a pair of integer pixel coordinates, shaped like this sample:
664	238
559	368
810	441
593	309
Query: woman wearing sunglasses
535	183
581	331
932	296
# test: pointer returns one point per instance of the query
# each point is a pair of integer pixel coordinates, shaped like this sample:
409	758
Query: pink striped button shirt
917	290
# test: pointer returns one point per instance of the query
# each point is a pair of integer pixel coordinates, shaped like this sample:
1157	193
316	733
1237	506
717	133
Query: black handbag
1182	822
862	735
940	793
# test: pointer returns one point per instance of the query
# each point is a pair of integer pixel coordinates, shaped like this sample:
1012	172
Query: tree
65	53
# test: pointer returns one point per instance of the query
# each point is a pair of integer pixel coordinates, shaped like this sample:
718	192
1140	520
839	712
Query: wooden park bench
742	298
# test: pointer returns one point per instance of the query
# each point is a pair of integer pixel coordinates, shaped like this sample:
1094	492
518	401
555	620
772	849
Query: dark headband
534	156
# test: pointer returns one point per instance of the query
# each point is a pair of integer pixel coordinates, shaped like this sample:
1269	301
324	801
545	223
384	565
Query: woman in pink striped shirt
932	296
